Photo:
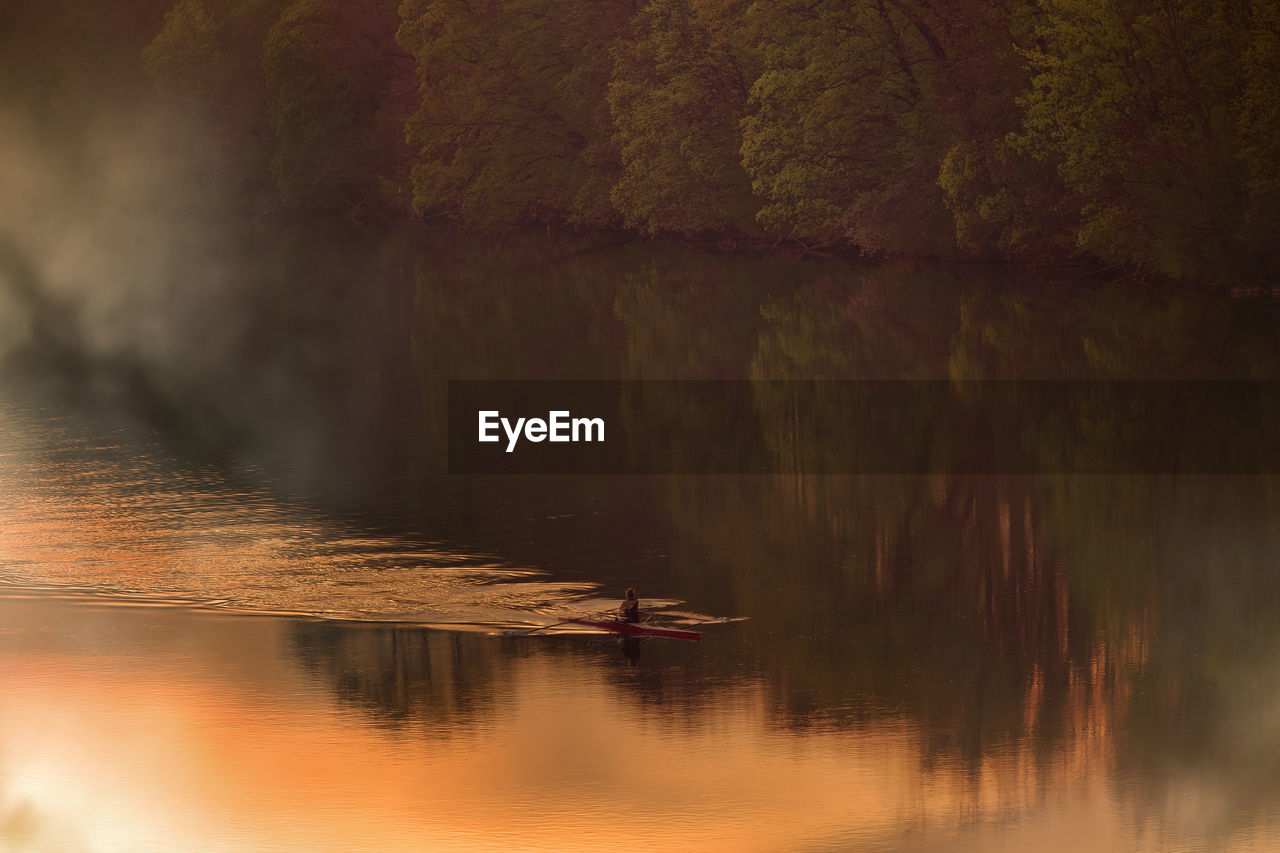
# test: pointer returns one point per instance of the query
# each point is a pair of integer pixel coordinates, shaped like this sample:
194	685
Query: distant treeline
1140	133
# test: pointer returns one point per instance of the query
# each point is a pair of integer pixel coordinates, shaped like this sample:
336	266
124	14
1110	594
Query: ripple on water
125	521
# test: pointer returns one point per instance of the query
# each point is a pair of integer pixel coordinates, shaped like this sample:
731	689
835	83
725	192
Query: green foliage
334	92
1260	101
1139	134
1004	202
186	57
1259	136
1134	101
848	124
505	127
677	98
206	58
301	98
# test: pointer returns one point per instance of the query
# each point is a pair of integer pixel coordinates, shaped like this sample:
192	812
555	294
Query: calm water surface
243	607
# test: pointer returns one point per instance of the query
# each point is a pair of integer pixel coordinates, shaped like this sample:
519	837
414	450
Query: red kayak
638	629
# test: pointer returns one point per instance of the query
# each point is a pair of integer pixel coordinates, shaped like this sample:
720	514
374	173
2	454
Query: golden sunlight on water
127	729
99	509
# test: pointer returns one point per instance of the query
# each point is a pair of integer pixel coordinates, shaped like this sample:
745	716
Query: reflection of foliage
1051	333
534	310
997	610
933	595
885	322
864	329
403	676
1184	571
691	318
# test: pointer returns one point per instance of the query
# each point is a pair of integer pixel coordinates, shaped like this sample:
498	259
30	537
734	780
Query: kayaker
629	609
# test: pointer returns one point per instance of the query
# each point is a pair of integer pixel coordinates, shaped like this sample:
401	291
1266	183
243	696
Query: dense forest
1141	135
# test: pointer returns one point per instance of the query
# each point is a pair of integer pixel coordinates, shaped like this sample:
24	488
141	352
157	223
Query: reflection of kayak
638	629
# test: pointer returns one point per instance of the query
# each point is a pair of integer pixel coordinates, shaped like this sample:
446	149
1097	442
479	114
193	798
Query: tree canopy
1136	134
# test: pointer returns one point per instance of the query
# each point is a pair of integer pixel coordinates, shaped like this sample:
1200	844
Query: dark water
245	605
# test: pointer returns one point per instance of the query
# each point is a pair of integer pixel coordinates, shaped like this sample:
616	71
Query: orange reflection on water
122	729
199	766
130	519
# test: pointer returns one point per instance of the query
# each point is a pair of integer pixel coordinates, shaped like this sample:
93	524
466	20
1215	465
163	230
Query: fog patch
106	245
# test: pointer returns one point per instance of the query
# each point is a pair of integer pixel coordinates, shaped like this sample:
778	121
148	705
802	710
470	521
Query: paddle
537	629
547	627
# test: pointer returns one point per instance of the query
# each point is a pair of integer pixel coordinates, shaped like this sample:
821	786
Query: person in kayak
629	609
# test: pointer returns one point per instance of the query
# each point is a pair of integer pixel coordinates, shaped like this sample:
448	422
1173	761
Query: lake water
243	605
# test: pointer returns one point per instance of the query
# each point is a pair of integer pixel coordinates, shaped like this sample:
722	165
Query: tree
848	124
1134	100
678	96
1259	130
186	57
509	126
206	58
338	93
1004	202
